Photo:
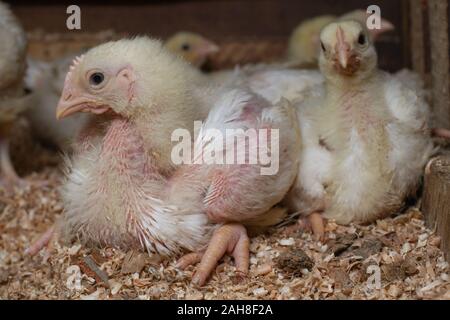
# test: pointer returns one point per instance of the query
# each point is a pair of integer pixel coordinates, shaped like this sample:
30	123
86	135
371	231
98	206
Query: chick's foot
230	238
314	223
46	240
10	178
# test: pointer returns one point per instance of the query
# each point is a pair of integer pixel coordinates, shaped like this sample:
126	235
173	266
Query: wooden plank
417	37
440	67
436	199
220	20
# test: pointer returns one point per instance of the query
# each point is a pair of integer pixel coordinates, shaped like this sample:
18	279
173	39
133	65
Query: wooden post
436	199
417	46
440	67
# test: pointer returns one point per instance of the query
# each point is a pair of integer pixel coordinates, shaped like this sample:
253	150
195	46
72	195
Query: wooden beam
417	46
436	199
440	67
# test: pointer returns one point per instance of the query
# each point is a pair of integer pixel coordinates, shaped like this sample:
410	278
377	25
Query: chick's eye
322	46
96	78
362	39
185	47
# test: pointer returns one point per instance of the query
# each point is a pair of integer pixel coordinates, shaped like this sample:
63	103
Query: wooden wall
219	20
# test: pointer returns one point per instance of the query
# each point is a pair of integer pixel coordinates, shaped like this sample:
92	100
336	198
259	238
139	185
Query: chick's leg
317	225
231	239
314	223
46	240
9	174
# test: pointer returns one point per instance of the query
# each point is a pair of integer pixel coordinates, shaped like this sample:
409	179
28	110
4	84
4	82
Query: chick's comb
76	61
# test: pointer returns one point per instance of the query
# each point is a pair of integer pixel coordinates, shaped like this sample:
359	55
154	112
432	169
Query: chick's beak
342	49
72	101
207	47
346	60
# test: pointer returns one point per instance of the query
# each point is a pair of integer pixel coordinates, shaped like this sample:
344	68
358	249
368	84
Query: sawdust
406	253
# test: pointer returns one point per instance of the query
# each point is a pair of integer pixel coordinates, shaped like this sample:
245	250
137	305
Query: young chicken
13	99
123	187
304	43
46	79
192	47
366	135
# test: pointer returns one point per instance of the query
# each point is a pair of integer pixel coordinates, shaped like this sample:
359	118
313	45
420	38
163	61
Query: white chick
366	135
46	79
125	190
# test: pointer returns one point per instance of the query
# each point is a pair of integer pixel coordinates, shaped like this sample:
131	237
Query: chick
304	43
123	188
192	47
13	99
366	135
47	80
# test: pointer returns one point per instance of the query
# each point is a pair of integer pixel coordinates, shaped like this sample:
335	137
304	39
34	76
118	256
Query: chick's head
346	50
128	77
192	47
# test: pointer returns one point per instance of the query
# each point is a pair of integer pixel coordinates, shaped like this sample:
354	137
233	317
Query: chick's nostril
67	96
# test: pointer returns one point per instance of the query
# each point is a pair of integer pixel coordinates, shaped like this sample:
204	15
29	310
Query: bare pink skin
440	133
122	143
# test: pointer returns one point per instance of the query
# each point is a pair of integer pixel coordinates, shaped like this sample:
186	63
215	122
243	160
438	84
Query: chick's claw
314	223
231	239
189	259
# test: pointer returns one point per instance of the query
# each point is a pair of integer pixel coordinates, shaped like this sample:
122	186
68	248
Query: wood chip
133	262
341	243
368	248
90	268
294	261
263	270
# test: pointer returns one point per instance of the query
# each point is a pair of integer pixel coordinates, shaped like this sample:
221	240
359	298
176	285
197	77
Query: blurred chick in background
47	81
304	43
13	98
192	47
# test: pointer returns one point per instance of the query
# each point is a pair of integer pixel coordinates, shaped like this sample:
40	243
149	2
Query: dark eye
96	78
362	39
322	46
185	47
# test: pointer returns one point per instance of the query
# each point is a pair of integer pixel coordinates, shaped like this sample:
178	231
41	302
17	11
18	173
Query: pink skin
440	133
75	99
